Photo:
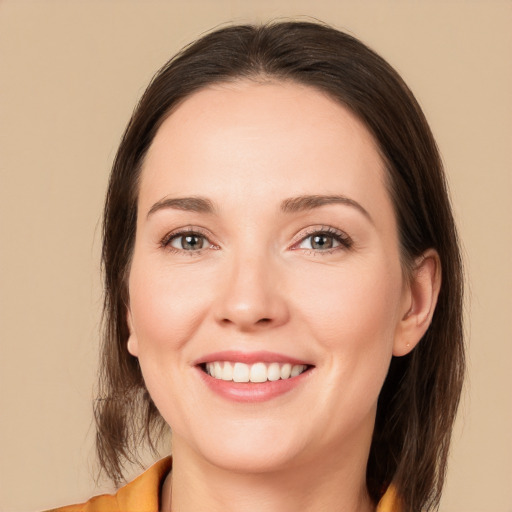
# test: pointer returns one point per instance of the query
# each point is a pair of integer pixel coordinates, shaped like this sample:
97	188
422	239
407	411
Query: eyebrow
191	204
304	203
291	205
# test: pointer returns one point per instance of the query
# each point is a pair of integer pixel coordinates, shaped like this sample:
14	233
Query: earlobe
132	346
422	294
132	343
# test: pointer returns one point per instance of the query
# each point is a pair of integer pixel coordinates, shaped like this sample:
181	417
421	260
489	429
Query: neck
327	486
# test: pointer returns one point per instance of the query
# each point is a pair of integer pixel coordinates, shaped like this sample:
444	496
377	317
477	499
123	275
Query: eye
188	241
324	240
319	241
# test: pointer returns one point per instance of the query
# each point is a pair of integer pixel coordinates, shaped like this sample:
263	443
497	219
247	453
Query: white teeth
257	372
241	372
273	372
217	370
227	372
286	370
297	369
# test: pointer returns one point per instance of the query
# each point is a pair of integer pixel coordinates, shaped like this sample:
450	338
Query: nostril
261	321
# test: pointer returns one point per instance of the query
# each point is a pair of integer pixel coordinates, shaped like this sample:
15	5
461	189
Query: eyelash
165	243
345	242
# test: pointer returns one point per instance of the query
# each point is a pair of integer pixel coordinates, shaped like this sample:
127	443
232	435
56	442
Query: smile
257	372
252	377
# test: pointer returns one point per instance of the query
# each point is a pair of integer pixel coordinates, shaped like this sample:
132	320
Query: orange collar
143	495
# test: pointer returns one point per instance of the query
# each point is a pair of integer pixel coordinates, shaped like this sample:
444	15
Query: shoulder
103	503
390	502
140	495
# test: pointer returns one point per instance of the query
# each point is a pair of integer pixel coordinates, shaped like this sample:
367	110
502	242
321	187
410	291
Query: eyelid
187	230
345	240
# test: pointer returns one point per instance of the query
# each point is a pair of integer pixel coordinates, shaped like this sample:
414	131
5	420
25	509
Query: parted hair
419	398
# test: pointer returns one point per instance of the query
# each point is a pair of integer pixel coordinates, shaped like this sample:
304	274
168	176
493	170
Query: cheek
350	307
352	314
166	307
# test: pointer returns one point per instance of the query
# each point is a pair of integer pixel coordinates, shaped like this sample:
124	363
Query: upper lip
261	356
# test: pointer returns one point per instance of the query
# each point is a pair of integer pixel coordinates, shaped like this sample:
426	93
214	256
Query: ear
132	344
420	299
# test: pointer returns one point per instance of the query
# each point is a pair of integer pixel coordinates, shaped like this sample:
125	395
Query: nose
252	296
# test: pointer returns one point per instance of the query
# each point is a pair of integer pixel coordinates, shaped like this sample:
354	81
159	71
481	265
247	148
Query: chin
250	460
249	448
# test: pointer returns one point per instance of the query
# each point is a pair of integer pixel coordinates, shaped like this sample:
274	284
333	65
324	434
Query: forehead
244	136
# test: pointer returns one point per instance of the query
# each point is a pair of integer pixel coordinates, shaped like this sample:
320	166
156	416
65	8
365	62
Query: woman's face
266	243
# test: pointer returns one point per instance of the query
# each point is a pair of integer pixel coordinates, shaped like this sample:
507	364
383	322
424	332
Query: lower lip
252	391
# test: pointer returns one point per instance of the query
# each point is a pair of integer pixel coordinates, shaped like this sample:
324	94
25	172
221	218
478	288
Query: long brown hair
419	399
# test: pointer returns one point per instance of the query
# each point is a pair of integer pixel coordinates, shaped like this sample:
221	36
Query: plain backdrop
70	75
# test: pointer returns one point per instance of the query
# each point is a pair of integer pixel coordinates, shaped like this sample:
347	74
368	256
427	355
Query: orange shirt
143	493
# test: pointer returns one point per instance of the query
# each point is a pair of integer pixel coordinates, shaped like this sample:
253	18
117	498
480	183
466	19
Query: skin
259	284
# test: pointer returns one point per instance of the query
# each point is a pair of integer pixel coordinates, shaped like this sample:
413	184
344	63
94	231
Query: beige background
70	74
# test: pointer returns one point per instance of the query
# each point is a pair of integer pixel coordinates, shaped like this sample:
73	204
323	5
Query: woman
283	283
